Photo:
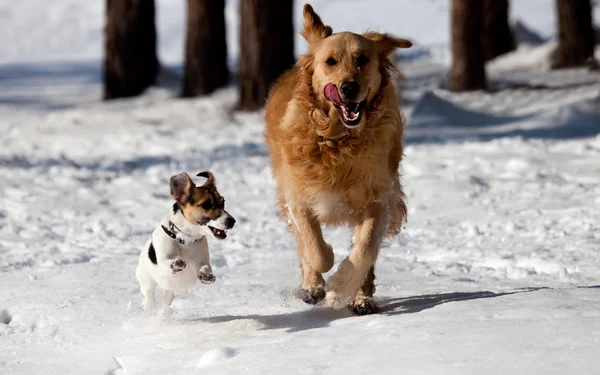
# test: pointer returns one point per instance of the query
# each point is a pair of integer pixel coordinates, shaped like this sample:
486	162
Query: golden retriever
334	132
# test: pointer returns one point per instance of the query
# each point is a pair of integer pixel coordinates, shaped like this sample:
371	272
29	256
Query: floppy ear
387	43
210	179
181	186
314	29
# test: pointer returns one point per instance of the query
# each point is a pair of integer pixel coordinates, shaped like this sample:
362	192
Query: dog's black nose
230	222
350	89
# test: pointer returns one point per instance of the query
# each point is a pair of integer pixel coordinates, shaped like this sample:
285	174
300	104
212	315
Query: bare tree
205	48
266	47
576	35
498	36
468	57
130	64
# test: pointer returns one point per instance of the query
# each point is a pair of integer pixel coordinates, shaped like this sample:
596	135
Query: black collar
176	234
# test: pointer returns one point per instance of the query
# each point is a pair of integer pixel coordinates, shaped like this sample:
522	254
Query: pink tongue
331	94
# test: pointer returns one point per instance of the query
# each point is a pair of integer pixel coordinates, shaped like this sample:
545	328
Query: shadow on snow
323	317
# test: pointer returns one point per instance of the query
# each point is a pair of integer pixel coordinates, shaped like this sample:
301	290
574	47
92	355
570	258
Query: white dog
176	256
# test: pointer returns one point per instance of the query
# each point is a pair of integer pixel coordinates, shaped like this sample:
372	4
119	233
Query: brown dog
334	132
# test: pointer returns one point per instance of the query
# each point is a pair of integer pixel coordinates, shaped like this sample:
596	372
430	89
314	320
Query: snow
496	271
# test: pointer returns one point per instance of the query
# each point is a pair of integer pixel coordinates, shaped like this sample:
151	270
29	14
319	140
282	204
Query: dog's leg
171	263
205	273
148	302
345	283
316	256
168	298
398	210
364	304
316	252
313	285
147	287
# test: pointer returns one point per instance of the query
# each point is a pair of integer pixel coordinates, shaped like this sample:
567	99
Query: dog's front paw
206	278
177	265
342	286
312	295
337	300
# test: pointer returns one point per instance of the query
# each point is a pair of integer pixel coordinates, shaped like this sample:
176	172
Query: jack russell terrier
176	256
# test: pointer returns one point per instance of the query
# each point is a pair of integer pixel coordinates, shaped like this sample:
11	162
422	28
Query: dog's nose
230	222
350	89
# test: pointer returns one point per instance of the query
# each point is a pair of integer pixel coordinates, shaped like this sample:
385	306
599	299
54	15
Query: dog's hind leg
147	287
168	298
398	210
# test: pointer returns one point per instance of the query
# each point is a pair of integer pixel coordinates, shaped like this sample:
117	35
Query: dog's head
347	69
202	205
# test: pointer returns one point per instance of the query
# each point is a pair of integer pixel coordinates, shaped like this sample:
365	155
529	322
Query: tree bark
576	35
266	48
498	35
130	63
468	57
206	48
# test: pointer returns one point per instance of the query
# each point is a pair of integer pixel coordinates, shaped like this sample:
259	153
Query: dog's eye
207	205
362	60
330	61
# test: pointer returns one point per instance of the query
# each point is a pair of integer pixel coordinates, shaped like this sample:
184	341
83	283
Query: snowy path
82	188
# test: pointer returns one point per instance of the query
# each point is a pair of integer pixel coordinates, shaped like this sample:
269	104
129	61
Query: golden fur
331	174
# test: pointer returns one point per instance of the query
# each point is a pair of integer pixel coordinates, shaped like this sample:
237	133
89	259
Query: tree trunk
130	63
498	37
206	48
266	47
468	58
576	35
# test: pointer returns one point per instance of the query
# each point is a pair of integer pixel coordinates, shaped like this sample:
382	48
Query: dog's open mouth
218	233
350	112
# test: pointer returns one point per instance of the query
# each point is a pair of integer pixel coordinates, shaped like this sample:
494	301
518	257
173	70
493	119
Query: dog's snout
350	89
230	222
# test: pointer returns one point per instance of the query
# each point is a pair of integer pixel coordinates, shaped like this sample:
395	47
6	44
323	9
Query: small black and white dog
176	256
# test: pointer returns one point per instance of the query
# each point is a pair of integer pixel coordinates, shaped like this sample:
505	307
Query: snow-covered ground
496	272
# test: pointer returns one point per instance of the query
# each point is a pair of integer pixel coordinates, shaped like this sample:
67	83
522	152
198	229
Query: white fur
326	203
195	255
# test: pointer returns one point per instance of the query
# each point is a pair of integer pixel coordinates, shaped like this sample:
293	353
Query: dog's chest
194	257
329	206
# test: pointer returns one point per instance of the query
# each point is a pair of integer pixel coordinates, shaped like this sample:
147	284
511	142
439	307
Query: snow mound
120	370
5	317
216	355
526	57
526	35
437	118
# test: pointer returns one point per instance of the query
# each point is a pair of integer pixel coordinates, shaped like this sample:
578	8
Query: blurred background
195	47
